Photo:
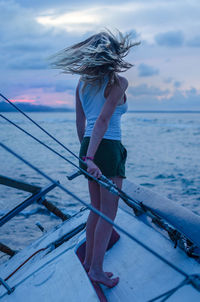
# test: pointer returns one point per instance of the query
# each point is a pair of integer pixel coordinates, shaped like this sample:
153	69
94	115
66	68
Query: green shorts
110	157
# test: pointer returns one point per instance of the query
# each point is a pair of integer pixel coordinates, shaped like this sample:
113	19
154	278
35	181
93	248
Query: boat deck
53	277
59	276
142	275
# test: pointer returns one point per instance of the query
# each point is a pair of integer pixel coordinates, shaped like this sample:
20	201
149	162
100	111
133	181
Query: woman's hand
93	169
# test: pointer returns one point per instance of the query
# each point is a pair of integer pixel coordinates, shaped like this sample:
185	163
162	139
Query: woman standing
100	100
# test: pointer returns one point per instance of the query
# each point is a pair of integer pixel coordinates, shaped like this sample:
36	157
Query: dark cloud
47	4
184	100
194	42
63	86
177	84
59	86
168	80
145	90
26	62
26	44
192	92
170	39
145	97
147	70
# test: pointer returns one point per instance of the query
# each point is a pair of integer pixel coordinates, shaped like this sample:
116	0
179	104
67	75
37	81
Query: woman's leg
94	190
108	206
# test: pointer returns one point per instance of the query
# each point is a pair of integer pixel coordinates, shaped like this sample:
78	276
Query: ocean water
163	155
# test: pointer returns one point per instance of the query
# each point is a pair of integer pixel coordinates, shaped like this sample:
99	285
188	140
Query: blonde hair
99	55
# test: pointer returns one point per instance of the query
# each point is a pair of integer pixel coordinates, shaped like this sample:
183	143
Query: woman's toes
103	279
115	281
109	274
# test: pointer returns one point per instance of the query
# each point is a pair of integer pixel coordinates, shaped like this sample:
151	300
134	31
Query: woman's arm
80	116
116	93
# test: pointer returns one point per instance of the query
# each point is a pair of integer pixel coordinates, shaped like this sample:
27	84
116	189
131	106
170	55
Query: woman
101	100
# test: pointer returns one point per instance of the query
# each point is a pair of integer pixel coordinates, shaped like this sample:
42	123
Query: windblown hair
99	55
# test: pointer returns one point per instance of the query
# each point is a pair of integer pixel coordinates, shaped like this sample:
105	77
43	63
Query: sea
163	155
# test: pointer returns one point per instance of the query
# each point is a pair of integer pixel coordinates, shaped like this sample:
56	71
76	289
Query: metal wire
95	211
28	117
120	192
104	181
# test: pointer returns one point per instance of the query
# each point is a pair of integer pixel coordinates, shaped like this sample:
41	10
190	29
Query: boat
154	249
50	269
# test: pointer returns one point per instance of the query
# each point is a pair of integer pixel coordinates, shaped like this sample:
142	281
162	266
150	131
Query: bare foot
87	268
103	279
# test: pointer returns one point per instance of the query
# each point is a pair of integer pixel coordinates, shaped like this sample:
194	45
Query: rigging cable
41	128
193	279
94	210
102	181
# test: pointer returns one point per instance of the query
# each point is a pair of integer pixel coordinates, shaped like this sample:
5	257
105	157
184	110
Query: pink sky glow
23	101
40	97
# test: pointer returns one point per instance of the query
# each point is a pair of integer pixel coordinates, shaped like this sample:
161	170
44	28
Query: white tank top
92	101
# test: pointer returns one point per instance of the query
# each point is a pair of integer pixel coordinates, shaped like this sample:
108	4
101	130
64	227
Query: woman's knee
109	204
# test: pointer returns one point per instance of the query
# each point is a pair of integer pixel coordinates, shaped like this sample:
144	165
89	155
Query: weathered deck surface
142	275
54	277
58	276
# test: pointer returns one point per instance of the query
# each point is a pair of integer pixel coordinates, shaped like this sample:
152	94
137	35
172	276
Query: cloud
184	100
56	86
170	39
177	84
25	44
194	42
145	97
147	70
27	62
145	90
168	80
192	92
23	101
79	21
49	4
42	97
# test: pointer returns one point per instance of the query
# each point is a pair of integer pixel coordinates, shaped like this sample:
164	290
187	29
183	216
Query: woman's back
92	100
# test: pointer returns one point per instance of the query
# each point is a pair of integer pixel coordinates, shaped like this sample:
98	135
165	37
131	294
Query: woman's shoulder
122	82
123	79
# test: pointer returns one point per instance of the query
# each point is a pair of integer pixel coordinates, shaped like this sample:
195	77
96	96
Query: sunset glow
165	75
23	101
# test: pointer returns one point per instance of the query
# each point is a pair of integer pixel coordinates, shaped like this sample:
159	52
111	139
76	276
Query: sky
165	75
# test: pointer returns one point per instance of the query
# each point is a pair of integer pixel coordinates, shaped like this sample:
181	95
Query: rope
96	212
51	246
43	249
